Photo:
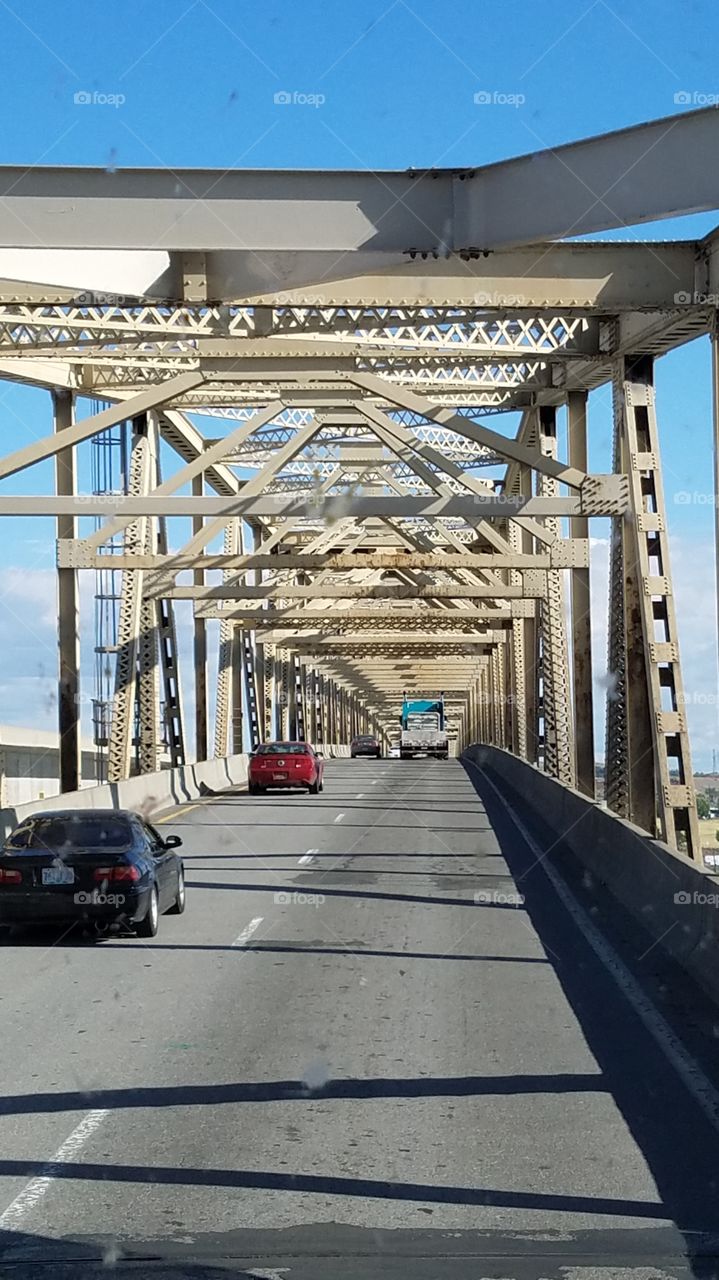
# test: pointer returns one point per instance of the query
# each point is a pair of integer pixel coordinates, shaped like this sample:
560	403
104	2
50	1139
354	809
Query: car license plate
58	875
279	777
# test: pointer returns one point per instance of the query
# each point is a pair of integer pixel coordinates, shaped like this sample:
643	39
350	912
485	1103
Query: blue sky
198	84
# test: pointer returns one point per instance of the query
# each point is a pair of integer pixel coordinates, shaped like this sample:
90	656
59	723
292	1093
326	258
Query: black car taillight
122	874
8	876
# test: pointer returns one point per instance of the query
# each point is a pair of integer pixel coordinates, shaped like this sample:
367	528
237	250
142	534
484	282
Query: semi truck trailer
424	730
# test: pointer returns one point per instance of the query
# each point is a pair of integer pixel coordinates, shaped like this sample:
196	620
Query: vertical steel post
132	619
558	743
67	612
616	746
200	644
652	637
528	650
581	610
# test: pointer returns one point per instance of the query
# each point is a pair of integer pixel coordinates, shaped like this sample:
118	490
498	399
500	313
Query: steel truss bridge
345	339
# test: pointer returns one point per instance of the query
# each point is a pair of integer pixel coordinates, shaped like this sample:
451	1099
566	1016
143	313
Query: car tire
178	905
322	786
253	789
314	787
147	927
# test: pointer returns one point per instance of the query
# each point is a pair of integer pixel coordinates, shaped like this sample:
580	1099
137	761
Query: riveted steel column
148	676
283	696
67	612
200	646
528	650
130	620
657	658
630	740
558	741
581	610
228	710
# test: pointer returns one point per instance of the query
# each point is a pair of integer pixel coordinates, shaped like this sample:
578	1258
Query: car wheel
253	789
147	927
178	905
322	786
314	787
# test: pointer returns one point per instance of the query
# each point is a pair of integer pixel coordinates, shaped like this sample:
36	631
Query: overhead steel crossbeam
652	170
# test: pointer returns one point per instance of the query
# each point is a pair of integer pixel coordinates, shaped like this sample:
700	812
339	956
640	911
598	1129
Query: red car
285	764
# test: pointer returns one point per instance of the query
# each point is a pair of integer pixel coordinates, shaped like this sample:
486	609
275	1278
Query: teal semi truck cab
424	729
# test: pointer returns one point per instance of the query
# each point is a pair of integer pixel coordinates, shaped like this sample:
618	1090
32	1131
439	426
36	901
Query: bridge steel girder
665	166
558	729
68	612
400	355
647	646
136	665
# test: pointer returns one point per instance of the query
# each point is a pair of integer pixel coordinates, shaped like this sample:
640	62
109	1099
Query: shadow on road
678	1143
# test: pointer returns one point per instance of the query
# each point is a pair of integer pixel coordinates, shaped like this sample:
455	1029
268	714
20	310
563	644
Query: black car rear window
87	833
283	749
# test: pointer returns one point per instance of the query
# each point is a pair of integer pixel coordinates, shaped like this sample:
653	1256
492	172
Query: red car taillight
10	877
116	874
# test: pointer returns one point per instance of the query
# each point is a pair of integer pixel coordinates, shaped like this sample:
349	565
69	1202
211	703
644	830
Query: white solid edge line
691	1075
339	817
248	931
33	1193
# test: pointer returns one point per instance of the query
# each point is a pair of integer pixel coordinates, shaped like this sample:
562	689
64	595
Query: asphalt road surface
377	1043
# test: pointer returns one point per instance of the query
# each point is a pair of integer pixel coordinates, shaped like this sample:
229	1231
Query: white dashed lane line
307	857
32	1194
247	932
339	817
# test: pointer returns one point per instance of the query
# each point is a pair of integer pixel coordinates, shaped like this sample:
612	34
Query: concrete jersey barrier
149	793
675	901
152	793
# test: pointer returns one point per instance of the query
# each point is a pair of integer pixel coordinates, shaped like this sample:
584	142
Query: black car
95	866
365	745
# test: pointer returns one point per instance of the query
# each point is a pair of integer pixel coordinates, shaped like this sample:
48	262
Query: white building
30	764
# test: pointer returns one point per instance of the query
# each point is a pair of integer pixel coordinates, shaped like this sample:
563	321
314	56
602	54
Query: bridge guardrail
675	901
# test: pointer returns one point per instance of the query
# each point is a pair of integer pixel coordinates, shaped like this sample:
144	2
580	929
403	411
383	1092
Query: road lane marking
339	817
33	1193
307	857
360	795
691	1075
248	931
176	813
